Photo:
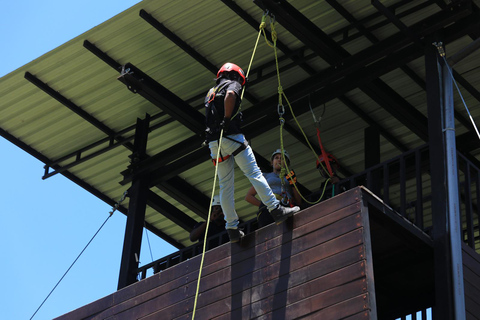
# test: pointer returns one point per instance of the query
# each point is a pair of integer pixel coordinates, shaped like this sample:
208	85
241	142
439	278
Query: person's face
217	213
277	162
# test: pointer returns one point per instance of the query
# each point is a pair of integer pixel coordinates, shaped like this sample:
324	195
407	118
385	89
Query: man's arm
197	232
229	103
250	197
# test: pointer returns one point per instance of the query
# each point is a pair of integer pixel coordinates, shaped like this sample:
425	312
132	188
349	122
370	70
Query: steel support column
437	93
443	277
138	194
454	215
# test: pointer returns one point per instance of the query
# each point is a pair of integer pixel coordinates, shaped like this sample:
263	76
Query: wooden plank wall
471	276
314	266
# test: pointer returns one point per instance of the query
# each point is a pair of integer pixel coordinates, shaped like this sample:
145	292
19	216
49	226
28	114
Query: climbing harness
212	118
217	158
220	159
114	208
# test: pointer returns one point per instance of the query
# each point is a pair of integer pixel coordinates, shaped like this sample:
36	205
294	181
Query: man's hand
224	124
291	177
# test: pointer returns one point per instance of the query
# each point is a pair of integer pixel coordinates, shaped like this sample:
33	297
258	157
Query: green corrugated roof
45	127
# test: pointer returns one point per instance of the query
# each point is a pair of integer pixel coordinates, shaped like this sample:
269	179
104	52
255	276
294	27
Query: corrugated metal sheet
218	34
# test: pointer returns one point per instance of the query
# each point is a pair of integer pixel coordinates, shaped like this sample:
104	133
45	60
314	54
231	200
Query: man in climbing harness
281	184
222	112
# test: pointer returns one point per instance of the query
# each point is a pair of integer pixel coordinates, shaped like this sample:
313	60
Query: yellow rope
282	173
282	121
262	26
208	224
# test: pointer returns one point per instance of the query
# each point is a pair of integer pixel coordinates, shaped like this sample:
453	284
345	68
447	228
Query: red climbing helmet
229	67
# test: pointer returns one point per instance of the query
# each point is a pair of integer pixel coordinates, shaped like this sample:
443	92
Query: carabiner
280	110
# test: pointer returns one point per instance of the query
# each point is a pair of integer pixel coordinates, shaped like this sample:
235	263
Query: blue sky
45	224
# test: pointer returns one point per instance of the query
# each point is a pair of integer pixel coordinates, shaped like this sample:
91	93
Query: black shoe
282	213
235	234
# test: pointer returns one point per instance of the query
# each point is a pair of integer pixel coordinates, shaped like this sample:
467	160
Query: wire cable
441	52
70	266
114	208
149	246
461	96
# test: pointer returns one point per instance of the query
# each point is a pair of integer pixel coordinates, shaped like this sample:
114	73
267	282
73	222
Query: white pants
247	163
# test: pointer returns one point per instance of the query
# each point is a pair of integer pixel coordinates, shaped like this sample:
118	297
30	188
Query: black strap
243	145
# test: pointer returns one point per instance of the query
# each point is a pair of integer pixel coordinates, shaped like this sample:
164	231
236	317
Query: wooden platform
471	276
349	257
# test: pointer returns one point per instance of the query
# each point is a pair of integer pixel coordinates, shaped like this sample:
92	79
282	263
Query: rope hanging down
117	205
215	176
281	112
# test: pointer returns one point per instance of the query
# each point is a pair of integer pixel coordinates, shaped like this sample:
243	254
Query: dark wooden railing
403	183
469	190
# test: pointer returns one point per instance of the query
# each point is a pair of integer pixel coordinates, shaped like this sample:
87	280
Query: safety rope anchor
440	49
119	202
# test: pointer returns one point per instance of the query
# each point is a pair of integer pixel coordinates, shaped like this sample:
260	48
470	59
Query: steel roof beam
170	212
170	102
452	60
405	30
362	29
139	82
164	236
465	52
102	55
159	160
313	37
297	59
304	30
365	32
187	195
185	47
397	22
78	154
177	41
367	20
373	124
178	166
25	147
64	170
261	77
398	107
72	106
330	91
170	154
89	188
258	121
